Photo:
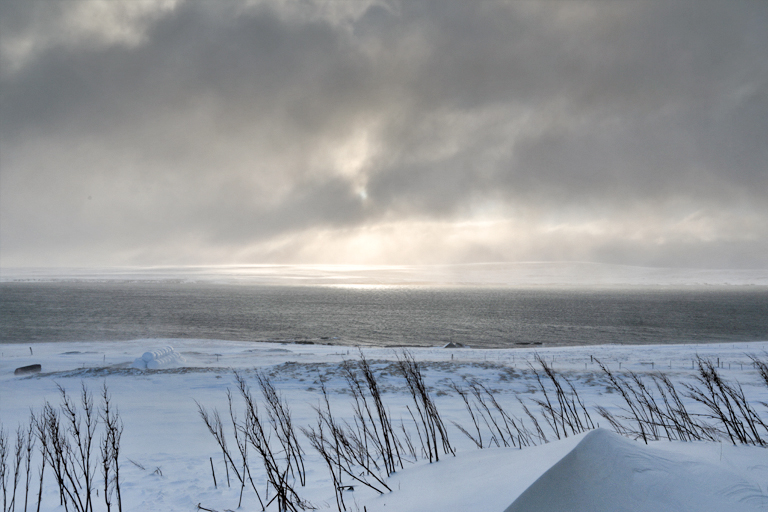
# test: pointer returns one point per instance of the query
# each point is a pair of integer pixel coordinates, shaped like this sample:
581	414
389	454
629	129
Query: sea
481	317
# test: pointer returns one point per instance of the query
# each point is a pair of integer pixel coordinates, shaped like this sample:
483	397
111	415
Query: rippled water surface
385	316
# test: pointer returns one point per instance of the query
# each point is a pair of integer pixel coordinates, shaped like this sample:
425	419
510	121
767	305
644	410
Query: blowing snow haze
383	132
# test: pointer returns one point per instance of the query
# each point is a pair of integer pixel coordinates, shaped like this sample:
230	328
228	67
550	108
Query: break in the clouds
182	132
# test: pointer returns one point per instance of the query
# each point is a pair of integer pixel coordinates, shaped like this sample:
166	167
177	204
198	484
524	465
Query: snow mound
608	473
479	480
164	357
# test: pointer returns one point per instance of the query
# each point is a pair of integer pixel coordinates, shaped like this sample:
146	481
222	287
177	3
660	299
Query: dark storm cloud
652	99
218	126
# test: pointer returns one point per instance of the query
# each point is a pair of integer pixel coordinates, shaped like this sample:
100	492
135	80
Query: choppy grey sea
381	316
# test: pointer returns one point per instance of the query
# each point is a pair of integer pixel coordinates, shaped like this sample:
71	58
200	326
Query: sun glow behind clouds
188	131
528	237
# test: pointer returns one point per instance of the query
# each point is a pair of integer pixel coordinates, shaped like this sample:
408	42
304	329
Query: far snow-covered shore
519	274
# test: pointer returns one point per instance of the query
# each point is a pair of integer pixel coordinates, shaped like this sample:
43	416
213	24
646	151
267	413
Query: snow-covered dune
594	472
608	473
476	480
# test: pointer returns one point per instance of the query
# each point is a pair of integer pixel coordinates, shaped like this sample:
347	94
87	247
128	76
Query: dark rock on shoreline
32	368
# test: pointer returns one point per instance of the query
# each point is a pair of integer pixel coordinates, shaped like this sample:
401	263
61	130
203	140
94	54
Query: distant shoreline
522	274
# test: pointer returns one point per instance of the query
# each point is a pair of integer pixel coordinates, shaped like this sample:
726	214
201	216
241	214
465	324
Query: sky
184	132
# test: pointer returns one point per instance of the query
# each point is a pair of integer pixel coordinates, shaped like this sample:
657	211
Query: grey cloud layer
218	126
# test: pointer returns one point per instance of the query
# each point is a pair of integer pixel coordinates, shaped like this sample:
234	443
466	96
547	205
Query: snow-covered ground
166	448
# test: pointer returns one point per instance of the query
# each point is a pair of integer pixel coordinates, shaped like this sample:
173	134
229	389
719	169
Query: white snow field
167	451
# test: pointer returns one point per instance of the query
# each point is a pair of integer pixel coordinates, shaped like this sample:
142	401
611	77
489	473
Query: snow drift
598	471
608	473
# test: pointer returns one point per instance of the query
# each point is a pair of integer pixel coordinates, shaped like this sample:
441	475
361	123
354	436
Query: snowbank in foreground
167	451
608	473
594	472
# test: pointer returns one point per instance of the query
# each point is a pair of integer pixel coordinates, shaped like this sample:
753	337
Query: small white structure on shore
164	357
